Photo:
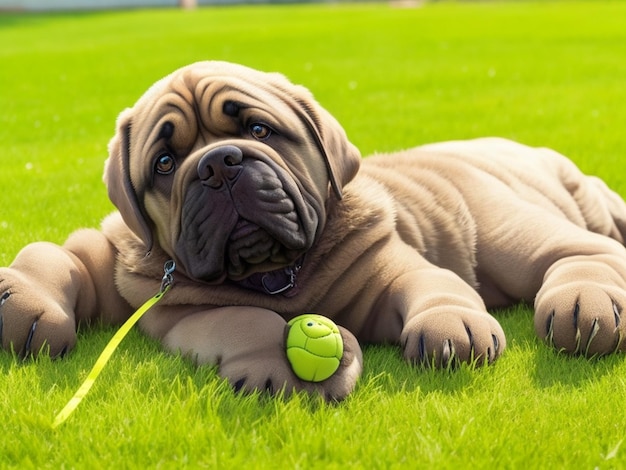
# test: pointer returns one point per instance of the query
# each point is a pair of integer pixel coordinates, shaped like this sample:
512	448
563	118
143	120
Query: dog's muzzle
241	215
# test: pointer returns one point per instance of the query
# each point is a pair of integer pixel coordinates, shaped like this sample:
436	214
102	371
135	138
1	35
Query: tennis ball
314	347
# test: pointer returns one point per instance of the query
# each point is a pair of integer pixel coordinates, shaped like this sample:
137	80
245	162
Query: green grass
543	73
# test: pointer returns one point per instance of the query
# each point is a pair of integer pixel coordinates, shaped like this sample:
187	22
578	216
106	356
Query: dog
255	192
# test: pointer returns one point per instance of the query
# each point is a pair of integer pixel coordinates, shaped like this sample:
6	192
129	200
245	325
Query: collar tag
280	281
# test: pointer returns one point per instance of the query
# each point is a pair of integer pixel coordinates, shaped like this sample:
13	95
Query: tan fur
411	250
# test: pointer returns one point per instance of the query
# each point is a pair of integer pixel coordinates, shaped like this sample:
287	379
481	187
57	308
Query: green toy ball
314	347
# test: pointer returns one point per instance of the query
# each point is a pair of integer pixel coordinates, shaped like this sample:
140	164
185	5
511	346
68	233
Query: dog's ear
117	177
342	158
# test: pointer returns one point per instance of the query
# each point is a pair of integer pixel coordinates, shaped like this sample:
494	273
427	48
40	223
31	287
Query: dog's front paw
249	347
581	317
270	370
31	321
447	335
341	383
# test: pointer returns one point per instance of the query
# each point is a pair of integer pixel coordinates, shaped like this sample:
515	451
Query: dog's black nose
220	165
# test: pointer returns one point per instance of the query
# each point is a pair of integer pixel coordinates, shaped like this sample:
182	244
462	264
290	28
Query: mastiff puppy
268	211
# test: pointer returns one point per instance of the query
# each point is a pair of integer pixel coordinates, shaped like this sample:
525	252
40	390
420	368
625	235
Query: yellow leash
106	354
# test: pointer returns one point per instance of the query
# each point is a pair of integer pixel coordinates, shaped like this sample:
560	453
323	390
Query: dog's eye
260	131
165	164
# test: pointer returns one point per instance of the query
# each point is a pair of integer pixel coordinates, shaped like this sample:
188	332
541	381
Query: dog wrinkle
167	130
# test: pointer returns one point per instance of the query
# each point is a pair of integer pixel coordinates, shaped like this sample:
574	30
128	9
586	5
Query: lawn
543	73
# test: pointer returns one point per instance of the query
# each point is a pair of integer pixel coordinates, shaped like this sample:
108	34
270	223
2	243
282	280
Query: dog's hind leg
604	209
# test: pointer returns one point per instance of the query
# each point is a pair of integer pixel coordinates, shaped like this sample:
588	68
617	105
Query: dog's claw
3	299
239	384
421	344
63	352
447	355
492	354
595	327
578	338
618	341
496	344
575	316
617	314
550	329
29	339
470	337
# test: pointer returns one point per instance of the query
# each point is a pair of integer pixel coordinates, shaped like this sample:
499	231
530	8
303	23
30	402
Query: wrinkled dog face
229	170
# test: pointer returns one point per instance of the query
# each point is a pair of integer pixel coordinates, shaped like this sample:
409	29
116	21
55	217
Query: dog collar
280	281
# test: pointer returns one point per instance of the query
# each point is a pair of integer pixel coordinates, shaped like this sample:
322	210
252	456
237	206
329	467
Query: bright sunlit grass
543	73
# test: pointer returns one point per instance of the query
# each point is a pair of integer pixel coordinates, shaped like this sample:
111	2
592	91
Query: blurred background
42	5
